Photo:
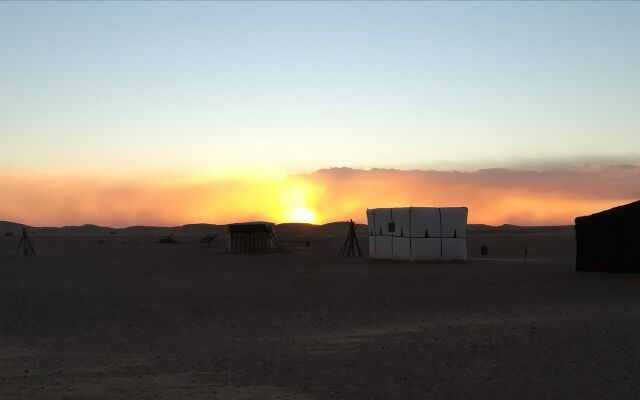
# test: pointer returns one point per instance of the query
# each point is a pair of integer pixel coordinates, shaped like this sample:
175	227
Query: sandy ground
133	319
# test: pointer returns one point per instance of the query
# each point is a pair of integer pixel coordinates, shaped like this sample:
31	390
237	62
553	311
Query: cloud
493	196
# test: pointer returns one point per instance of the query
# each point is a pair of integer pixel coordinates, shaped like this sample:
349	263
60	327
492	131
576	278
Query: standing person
526	252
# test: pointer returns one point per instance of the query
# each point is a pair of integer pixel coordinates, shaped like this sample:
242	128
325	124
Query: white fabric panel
382	217
383	247
454	248
401	247
413	222
425	219
372	246
371	222
401	217
425	249
454	220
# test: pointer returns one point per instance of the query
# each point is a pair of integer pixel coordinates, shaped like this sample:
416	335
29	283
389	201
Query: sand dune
130	318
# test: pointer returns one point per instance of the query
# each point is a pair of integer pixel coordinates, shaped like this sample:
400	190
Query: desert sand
130	318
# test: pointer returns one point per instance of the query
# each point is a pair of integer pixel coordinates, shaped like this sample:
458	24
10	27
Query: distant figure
455	233
526	252
484	250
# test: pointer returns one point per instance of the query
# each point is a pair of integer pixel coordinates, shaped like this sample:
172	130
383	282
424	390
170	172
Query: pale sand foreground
147	321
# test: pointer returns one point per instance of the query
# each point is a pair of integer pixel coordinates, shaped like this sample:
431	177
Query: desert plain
102	314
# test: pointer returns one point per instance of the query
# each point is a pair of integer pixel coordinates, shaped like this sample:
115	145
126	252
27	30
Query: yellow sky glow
493	197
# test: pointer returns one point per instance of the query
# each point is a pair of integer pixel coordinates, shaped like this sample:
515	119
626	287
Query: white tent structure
418	233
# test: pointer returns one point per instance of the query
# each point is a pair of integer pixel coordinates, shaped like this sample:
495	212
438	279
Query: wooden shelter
252	237
609	241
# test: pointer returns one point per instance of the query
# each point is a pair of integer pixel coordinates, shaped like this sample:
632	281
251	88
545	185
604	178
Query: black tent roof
250	227
608	241
626	212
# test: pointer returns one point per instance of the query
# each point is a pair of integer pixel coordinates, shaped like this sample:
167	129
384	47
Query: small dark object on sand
211	240
168	239
8	234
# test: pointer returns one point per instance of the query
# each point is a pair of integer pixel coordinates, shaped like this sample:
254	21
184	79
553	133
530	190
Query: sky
123	113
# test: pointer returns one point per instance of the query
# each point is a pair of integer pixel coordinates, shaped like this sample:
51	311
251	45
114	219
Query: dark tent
609	241
252	237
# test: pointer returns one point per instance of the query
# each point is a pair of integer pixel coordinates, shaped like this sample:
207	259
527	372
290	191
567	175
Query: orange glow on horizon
493	196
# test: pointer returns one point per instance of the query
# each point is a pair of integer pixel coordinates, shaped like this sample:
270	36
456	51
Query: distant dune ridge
7	226
289	228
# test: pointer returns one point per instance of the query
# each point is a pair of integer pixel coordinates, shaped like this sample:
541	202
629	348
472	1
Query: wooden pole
351	244
24	246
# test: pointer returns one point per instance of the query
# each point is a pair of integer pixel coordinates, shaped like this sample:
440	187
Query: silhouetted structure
252	237
24	246
609	241
351	244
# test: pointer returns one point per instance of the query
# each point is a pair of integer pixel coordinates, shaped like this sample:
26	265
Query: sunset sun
302	214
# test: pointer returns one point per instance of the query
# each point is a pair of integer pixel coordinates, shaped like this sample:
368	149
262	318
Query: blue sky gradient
296	86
